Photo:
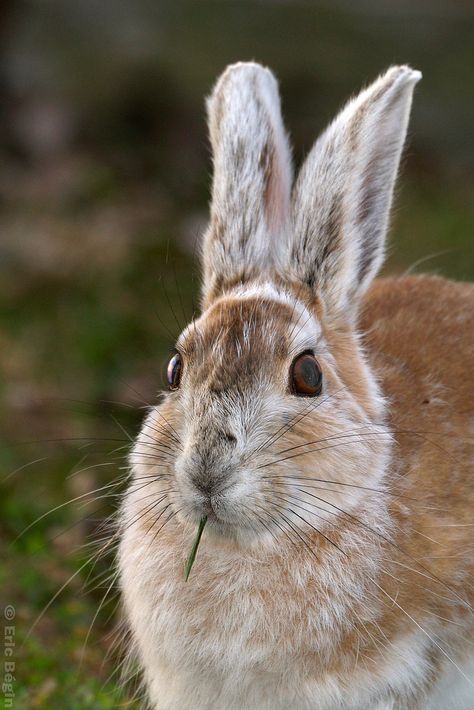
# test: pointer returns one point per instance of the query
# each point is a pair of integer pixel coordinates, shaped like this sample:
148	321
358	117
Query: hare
321	422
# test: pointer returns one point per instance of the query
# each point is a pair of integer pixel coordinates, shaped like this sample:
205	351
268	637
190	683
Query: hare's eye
173	373
306	378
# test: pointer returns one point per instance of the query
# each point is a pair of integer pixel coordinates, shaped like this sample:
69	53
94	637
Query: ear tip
249	66
244	73
247	69
404	73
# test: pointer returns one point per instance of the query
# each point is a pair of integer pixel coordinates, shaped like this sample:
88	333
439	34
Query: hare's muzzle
208	473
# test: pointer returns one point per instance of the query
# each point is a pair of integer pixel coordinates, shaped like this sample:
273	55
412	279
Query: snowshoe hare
320	423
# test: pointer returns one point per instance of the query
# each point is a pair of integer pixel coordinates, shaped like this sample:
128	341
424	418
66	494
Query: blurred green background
104	182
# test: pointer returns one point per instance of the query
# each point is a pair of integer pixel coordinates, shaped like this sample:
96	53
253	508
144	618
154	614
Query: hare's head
274	416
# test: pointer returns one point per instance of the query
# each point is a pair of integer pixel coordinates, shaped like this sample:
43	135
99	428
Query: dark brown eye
306	378
173	373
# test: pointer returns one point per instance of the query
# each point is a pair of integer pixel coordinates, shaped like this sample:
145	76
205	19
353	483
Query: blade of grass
192	554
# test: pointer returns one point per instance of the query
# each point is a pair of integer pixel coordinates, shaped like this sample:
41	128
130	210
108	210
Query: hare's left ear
252	178
343	195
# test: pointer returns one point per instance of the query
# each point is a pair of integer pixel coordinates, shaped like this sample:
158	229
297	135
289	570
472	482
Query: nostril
206	489
203	486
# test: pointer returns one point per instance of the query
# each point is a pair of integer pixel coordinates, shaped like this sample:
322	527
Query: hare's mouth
226	505
216	510
222	519
218	505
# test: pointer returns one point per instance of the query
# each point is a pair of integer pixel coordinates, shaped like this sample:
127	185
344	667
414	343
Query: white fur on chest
246	642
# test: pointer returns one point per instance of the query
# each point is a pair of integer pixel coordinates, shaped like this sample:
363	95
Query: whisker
170	517
292	338
295	530
423	631
170	305
52	600
295	420
23	467
389	432
88	468
89	631
319	532
331	482
59	507
147	510
335	436
121	427
391	543
303	453
160	430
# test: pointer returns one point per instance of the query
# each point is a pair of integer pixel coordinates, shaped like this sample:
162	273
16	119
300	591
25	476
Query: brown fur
419	338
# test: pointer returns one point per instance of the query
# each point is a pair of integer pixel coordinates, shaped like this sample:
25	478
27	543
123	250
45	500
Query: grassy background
104	180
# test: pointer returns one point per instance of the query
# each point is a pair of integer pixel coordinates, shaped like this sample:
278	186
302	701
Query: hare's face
271	422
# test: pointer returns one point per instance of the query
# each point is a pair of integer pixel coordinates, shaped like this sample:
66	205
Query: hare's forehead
259	319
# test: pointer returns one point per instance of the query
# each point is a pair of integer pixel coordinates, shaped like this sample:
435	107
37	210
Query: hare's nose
203	484
208	482
208	464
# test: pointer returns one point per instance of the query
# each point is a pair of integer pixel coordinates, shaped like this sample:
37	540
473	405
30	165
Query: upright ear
252	177
343	194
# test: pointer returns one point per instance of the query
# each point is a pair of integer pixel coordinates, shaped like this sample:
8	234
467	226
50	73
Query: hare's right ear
343	195
252	178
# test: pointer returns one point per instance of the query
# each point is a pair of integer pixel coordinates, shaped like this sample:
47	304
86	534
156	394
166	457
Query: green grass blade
192	554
